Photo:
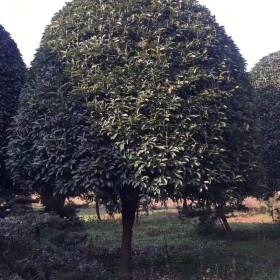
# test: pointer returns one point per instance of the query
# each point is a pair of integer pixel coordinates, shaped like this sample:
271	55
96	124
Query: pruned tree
12	76
155	86
50	123
265	77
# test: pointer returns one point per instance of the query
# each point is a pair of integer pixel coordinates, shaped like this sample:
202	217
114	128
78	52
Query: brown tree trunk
129	207
223	219
97	209
226	224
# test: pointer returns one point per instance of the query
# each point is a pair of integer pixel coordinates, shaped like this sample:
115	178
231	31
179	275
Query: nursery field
168	247
127	103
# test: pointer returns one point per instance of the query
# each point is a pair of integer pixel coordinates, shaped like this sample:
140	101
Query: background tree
265	77
231	173
12	76
157	84
50	123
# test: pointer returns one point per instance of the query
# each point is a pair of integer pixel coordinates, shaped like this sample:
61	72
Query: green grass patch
165	247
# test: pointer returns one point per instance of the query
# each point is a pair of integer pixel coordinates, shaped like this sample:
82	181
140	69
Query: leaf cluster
139	95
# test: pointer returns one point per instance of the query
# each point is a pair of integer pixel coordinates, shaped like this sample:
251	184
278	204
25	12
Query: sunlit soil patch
241	217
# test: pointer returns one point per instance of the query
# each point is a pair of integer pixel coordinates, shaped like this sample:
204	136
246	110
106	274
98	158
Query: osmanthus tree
12	76
231	166
51	122
265	77
148	90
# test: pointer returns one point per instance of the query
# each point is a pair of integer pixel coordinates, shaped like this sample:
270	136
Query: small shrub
43	246
68	211
207	223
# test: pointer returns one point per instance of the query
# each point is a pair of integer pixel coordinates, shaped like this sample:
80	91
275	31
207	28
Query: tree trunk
226	224
51	202
223	219
129	207
185	208
97	209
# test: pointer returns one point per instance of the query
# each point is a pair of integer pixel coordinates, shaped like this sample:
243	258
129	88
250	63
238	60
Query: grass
165	247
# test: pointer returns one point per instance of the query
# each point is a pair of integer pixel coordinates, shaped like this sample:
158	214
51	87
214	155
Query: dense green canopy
12	76
266	80
133	97
162	85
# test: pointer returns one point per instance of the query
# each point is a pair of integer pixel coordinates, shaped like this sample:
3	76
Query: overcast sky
253	24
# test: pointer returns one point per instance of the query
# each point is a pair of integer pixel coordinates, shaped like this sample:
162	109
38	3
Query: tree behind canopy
12	76
156	86
265	77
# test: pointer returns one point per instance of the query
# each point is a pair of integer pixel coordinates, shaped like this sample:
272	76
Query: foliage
129	98
36	151
164	85
12	76
28	251
265	77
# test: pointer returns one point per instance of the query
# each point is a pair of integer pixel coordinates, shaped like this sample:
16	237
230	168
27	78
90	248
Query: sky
252	24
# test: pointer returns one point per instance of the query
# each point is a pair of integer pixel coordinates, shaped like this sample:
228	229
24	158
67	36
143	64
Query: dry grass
243	217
